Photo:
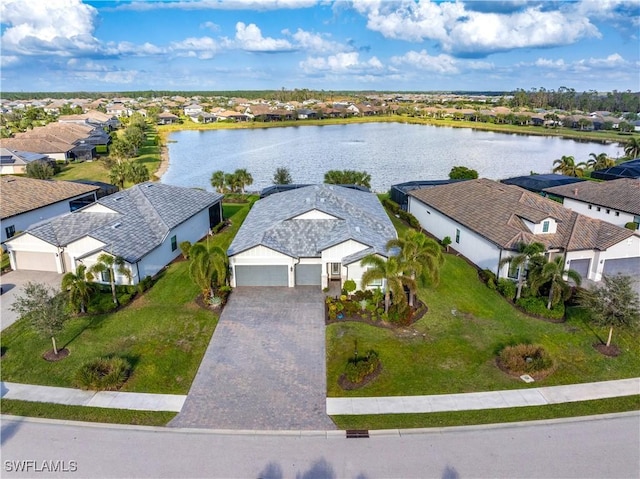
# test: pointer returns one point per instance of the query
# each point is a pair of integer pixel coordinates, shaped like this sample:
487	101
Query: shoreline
164	162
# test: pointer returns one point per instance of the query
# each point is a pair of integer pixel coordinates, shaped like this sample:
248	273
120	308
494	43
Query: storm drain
357	433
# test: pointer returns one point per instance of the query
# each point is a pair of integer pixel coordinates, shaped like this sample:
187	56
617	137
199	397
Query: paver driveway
265	365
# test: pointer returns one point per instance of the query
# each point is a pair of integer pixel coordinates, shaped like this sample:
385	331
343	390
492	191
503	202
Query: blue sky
417	45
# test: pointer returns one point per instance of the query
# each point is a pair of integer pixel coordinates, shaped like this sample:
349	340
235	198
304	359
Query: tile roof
358	216
20	194
497	212
622	194
137	220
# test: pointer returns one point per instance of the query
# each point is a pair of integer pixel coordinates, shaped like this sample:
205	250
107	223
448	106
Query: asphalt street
602	447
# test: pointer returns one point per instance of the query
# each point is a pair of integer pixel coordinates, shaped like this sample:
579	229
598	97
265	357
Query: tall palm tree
632	148
421	257
552	274
138	173
599	162
217	181
390	271
119	173
232	182
244	178
208	268
526	253
78	288
567	166
110	264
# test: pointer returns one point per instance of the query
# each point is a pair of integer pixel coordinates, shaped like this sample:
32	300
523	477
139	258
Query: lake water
390	152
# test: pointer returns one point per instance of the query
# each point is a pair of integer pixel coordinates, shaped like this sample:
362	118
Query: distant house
615	201
487	220
27	201
143	224
167	118
193	110
309	236
15	162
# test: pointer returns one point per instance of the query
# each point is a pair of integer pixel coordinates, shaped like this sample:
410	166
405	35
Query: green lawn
163	333
452	349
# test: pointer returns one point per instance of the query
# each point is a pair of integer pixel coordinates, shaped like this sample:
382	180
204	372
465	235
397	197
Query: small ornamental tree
282	176
462	173
44	308
614	303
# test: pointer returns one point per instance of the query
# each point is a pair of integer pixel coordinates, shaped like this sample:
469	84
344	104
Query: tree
567	166
218	181
632	148
599	162
282	176
185	248
78	288
108	263
348	177
40	170
232	182
119	173
208	268
390	271
462	173
137	173
614	303
243	178
44	308
552	275
526	253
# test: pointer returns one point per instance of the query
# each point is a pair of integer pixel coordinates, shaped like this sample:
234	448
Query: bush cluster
507	288
391	205
358	368
538	306
526	359
103	374
489	278
409	218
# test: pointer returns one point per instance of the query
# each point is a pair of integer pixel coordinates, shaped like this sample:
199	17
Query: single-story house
309	236
143	224
615	201
28	201
167	118
487	220
399	192
15	162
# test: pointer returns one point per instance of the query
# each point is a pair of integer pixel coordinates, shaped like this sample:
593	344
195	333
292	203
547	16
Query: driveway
12	286
265	365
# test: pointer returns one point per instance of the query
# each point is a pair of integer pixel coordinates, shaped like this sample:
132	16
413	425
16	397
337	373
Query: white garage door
626	266
273	275
36	261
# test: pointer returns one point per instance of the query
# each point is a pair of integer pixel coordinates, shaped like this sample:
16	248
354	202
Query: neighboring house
626	169
144	225
15	162
93	118
487	220
166	118
193	110
309	236
399	192
537	183
616	201
27	201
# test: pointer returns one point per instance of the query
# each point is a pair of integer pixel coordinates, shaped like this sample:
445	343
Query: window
617	213
10	231
545	226
608	211
513	271
598	208
457	236
174	243
590	207
105	276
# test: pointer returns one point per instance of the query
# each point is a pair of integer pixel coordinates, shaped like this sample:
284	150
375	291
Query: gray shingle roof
141	218
359	216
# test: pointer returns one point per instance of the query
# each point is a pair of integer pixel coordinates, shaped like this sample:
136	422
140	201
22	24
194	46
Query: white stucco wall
334	254
583	208
29	243
482	252
261	255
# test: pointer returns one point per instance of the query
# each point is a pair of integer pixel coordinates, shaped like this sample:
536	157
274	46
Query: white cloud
132	49
203	47
341	63
210	26
218	5
249	37
422	60
51	27
314	42
90	71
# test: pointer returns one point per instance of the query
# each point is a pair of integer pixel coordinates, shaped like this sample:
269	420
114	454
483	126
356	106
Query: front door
335	270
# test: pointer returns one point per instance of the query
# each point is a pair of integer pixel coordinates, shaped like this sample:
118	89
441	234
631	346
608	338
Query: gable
314	214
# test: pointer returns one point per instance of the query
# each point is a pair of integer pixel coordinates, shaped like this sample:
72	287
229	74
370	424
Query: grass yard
452	349
163	333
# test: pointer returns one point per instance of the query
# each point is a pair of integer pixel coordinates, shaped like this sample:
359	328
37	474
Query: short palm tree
218	181
391	272
552	274
526	253
108	263
567	166
599	162
632	148
208	268
78	288
119	173
138	173
244	178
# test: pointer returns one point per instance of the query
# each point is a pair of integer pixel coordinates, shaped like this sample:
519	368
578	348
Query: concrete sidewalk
105	399
483	400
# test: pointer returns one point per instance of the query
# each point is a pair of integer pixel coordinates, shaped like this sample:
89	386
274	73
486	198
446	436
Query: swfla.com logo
30	465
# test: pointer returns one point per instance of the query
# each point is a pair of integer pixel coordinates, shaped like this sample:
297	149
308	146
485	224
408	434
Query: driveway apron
265	367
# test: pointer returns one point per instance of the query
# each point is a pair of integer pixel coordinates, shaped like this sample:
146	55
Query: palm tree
138	173
599	162
119	173
243	178
553	273
282	176
421	257
78	288
632	148
232	182
390	271
526	253
110	264
208	268
567	166
218	181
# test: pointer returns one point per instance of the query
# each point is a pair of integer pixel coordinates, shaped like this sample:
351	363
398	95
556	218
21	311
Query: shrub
507	288
526	359
538	306
631	226
409	218
349	286
391	205
360	295
103	374
488	277
145	284
358	368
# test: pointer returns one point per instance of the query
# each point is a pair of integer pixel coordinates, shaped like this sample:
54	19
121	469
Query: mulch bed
347	385
612	350
201	303
420	310
52	357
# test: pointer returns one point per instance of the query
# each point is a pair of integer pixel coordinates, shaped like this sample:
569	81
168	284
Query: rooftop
622	194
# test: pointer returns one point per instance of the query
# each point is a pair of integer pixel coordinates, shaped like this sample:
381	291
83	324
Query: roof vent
357	229
118	198
117	225
321	200
575	191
